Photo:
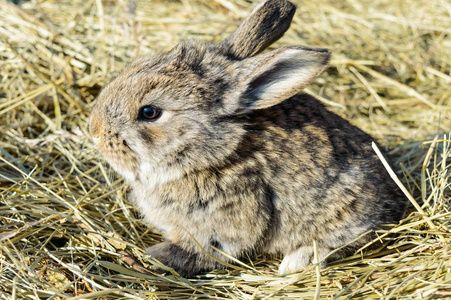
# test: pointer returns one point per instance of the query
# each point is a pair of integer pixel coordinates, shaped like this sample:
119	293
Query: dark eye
149	113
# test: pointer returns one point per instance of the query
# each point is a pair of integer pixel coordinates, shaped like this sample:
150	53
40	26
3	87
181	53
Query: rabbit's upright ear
268	79
266	24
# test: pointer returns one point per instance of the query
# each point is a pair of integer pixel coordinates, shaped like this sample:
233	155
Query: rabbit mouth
125	165
119	155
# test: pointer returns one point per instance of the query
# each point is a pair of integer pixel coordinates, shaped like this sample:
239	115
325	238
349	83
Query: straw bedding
66	226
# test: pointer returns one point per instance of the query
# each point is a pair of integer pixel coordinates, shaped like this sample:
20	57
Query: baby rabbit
221	149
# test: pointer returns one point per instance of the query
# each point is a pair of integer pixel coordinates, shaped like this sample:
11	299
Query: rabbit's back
324	178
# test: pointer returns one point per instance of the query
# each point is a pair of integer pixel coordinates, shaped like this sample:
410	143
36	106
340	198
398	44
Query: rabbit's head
184	110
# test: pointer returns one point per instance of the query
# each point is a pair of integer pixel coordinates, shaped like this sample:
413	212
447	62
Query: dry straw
66	226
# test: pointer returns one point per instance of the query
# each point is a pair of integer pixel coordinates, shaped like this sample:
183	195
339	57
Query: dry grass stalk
65	222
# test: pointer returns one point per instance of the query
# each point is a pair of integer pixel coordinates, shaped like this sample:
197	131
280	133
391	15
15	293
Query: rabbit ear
268	79
266	24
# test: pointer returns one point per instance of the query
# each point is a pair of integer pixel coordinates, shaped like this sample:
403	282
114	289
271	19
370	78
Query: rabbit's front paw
185	263
160	252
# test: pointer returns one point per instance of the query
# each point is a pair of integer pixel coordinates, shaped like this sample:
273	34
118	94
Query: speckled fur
239	159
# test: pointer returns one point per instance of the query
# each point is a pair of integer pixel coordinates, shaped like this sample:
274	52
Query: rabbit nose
95	126
96	140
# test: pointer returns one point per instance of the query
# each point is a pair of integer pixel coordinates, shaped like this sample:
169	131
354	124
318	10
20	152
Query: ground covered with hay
67	229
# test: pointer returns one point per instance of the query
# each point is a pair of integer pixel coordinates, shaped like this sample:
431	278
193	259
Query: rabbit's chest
165	210
181	205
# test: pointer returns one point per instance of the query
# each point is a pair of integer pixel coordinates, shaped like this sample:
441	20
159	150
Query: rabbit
223	151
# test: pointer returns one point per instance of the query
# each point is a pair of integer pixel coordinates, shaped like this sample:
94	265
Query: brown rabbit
222	150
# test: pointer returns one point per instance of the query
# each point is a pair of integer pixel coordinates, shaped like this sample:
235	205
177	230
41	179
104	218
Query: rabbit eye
149	113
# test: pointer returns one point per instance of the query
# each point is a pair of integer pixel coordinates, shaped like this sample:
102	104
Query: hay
65	221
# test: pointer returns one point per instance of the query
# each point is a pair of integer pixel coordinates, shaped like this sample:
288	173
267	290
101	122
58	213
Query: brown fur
239	160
